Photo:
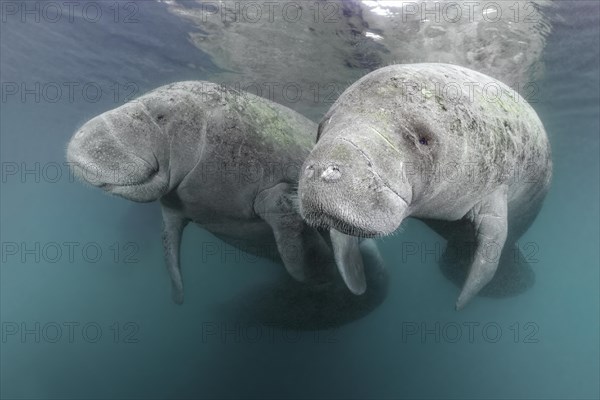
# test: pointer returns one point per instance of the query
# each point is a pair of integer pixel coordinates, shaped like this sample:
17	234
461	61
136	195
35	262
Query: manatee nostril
332	173
309	171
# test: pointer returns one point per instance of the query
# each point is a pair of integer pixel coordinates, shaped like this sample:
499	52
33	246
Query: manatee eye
423	141
160	117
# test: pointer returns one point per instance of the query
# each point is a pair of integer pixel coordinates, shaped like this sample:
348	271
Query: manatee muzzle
340	188
98	156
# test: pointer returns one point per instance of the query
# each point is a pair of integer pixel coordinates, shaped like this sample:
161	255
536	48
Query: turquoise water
85	306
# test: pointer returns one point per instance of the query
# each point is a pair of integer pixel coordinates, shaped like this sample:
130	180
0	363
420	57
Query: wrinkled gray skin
226	160
377	145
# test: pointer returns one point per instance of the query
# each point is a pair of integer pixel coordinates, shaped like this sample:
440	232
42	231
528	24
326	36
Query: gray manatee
452	147
223	159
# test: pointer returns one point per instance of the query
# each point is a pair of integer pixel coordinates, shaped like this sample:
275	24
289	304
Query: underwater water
85	305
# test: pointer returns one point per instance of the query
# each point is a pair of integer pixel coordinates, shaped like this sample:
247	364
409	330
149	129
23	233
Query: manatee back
258	119
227	128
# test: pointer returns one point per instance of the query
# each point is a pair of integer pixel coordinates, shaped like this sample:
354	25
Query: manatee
447	145
224	159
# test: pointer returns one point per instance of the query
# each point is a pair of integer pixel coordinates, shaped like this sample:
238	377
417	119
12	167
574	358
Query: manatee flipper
303	250
349	260
513	276
490	222
173	225
375	270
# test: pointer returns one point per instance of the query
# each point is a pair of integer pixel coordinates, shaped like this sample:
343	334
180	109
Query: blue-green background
169	354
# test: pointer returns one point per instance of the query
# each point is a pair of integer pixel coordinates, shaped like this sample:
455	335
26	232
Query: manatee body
224	159
450	146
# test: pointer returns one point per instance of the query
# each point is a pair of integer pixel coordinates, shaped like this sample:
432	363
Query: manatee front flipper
173	225
513	276
349	260
303	250
489	220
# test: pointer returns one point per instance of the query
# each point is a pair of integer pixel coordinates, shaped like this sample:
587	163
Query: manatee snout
108	155
340	188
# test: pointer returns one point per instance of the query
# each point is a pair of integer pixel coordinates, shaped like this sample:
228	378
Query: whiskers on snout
344	223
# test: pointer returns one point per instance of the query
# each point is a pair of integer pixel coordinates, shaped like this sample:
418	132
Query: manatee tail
513	277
